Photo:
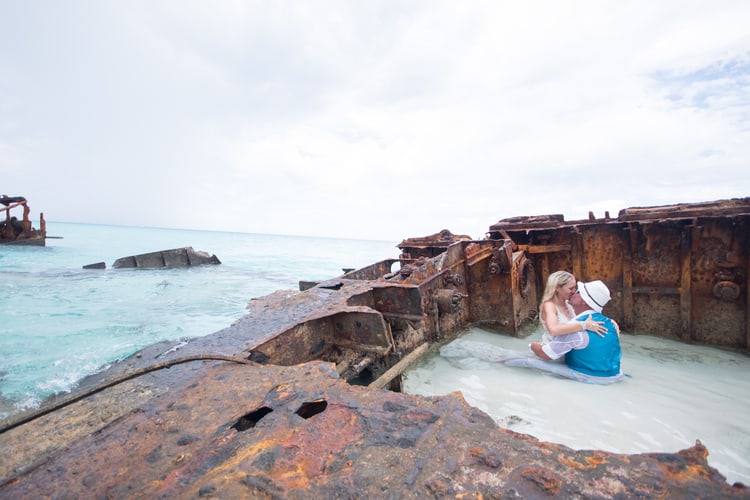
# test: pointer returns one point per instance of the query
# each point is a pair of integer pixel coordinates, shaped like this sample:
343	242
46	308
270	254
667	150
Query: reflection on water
674	394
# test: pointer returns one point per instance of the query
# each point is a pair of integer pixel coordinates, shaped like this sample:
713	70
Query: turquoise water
61	322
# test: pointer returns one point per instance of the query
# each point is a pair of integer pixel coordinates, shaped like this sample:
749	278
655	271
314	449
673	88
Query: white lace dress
563	316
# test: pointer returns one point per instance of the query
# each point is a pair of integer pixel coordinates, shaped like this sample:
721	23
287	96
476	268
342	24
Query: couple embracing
571	315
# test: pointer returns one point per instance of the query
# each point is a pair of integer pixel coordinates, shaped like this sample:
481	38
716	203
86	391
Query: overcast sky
370	119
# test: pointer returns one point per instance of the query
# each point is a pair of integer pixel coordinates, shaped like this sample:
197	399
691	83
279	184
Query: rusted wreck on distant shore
301	397
20	232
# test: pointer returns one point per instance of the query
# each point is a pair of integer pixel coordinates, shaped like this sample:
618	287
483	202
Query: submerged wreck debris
176	257
96	265
20	232
303	411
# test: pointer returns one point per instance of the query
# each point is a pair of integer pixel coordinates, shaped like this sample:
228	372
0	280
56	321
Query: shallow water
673	395
59	322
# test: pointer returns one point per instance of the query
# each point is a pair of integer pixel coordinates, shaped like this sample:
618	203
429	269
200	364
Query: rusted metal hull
308	416
20	232
301	432
678	271
35	240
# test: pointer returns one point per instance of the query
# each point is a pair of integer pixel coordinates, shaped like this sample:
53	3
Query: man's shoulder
585	314
597	316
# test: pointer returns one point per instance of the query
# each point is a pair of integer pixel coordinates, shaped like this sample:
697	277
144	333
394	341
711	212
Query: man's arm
560	345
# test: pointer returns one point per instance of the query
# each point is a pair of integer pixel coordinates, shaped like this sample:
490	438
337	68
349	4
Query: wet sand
673	395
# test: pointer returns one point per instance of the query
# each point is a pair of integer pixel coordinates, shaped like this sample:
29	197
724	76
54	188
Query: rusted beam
660	290
537	249
686	330
42	225
655	289
720	208
397	369
533	221
476	253
627	276
11	206
363	347
515	286
409	317
545	270
576	254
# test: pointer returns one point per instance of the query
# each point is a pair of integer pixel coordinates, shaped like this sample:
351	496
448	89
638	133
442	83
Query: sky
377	120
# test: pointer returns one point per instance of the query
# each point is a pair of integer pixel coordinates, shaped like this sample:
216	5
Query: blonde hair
555	281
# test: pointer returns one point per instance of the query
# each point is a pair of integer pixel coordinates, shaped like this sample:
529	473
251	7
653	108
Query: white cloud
371	120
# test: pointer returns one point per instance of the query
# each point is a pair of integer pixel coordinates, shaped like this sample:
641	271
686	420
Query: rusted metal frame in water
26	235
673	270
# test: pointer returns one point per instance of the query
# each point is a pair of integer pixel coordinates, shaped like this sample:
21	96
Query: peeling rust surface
302	432
307	419
676	271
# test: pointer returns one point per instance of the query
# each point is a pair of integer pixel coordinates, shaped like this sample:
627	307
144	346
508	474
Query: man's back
601	357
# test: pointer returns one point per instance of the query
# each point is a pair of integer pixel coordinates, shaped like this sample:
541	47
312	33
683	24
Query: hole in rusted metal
365	377
335	286
258	357
311	409
248	421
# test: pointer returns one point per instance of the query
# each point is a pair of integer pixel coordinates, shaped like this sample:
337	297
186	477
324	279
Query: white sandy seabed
673	394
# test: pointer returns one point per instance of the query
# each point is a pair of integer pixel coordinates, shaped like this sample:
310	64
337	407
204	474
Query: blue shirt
601	357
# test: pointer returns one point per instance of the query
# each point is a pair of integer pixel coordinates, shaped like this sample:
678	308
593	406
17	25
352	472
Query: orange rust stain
684	474
477	452
698	471
592	461
542	479
308	455
305	455
547	448
248	454
296	478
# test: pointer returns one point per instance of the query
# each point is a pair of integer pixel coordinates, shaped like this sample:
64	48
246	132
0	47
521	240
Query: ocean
61	322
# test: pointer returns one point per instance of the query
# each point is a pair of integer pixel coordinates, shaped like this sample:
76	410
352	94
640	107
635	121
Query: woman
556	314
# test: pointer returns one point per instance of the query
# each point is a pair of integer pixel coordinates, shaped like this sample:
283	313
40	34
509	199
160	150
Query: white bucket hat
594	293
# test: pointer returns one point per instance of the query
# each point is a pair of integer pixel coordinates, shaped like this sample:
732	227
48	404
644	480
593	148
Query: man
587	353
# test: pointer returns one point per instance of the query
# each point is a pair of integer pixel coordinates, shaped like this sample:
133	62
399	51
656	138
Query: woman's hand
595	326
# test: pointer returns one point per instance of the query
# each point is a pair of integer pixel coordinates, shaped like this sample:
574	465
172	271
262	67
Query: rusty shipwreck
301	397
15	231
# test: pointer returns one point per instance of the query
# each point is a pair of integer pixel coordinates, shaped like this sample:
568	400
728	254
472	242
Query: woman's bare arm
554	327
